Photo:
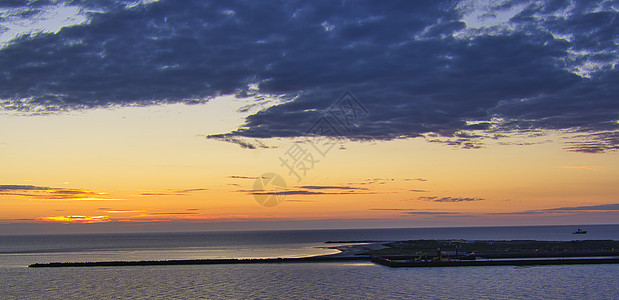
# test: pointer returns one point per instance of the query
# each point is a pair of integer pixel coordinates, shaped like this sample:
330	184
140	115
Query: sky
179	115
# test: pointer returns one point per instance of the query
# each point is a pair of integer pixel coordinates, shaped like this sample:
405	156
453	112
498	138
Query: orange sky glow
153	165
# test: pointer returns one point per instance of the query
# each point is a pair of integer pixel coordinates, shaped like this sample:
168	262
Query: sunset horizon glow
135	116
132	176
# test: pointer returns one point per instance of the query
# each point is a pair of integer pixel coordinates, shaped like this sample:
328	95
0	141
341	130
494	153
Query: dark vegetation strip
196	262
477	263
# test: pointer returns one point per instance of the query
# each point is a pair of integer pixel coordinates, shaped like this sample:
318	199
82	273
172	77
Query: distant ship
579	231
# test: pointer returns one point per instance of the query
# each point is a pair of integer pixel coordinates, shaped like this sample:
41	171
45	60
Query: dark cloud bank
570	209
413	64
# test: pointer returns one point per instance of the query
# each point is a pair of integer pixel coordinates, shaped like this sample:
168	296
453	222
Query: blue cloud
415	65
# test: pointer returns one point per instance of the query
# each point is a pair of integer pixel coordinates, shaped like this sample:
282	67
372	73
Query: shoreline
487	263
381	253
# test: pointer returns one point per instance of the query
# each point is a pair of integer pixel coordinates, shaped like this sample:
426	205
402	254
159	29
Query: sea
320	280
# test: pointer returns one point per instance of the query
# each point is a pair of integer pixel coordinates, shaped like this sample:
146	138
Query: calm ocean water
285	281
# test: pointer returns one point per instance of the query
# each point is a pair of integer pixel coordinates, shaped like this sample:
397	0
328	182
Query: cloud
171	192
159	194
605	207
185	217
417	67
431	213
570	209
370	181
49	193
192	190
311	190
450	199
532	212
123	211
408	211
594	142
76	219
243	143
89	199
4	188
413	211
464	143
326	187
246	177
308	190
416	179
297	192
174	213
